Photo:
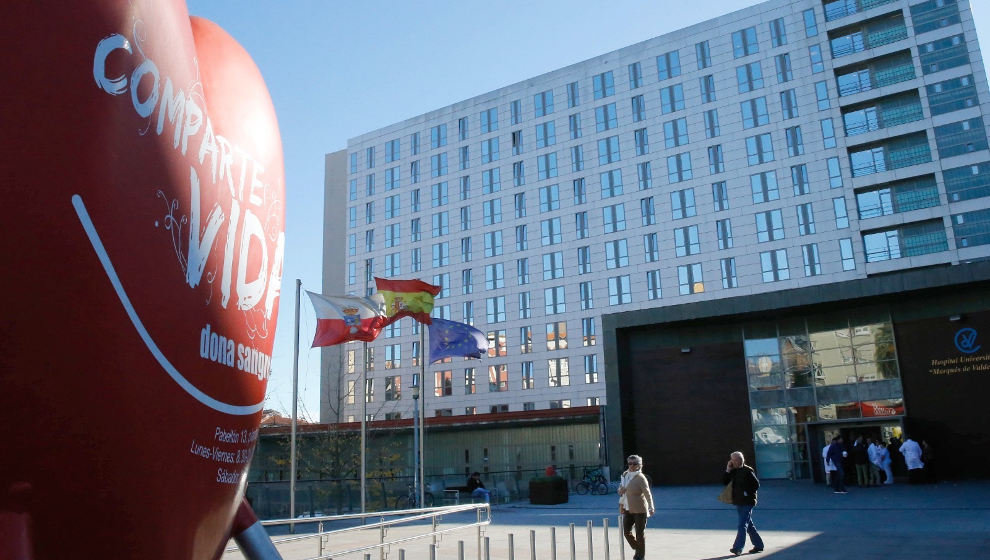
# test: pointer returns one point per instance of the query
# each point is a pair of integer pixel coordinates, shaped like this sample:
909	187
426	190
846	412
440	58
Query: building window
647	210
653	291
759	149
524	306
588	331
580	194
754	112
605	118
810	25
668	65
525	340
828	133
711	123
492	211
744	42
369	390
821	93
788	104
545	134
682	204
769	226
834	173
543	103
519	204
462	129
841	213
806	219
522	271
635	75
720	195
496	343
782	62
574	126
573	96
527	375
493	243
728	267
764	187
644	175
795	144
671	98
546	166
707	84
689	279
586	292
550	231
591	368
443	383
393	388
438	165
515	111
489	120
553	300
495	308
584	259
581	225
817	62
603	84
679	168
498	379
704	54
749	77
651	247
812	264
642	142
774	265
494	276
619	291
723	230
778	33
608	150
846	253
556	335
616	254
553	265
686	241
675	133
799	179
558	374
414	143
438	136
614	218
517	142
638	108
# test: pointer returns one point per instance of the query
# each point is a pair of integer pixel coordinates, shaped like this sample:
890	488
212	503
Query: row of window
491	409
744	43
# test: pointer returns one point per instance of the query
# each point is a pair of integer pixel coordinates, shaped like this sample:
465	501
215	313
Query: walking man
744	487
637	506
837	454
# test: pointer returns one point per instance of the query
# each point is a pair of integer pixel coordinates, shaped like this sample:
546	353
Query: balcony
843	8
867	35
875	74
884	112
890	154
897	197
909	240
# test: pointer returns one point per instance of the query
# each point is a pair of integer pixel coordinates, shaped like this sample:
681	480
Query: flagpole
295	410
364	405
422	425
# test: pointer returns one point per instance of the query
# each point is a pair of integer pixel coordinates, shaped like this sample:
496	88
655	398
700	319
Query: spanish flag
406	298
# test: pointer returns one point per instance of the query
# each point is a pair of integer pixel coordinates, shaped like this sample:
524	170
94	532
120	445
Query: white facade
678	243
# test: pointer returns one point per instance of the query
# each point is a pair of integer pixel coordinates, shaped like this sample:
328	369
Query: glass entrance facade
814	369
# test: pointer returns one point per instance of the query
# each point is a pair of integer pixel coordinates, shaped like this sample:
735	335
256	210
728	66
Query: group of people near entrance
873	461
636	503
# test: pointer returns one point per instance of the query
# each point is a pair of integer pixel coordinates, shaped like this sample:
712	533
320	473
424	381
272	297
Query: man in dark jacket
837	454
744	487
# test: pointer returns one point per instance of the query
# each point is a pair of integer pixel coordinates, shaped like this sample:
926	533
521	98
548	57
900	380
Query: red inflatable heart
143	239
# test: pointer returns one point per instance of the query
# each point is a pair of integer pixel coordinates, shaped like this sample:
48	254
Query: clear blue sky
338	69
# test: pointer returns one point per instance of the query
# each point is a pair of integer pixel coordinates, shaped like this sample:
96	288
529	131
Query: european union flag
453	339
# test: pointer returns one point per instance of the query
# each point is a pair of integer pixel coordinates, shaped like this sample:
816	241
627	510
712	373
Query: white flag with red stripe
345	318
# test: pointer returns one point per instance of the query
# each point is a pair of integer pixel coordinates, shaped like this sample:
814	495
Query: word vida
220	349
230	167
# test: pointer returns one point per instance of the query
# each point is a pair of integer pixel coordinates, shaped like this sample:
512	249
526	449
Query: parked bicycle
411	500
593	481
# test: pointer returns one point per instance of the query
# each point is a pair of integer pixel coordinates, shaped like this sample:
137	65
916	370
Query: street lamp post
415	393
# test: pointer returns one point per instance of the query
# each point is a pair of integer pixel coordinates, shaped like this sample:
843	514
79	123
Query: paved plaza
796	519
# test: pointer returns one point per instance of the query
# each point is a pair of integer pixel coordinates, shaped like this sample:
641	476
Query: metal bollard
319	529
460	550
622	540
488	548
532	544
512	547
605	533
591	547
553	543
573	544
402	554
433	552
381	539
367	556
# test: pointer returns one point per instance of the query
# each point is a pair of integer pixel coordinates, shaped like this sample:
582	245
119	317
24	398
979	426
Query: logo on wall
966	341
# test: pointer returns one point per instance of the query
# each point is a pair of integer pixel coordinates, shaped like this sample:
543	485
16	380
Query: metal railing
385	520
